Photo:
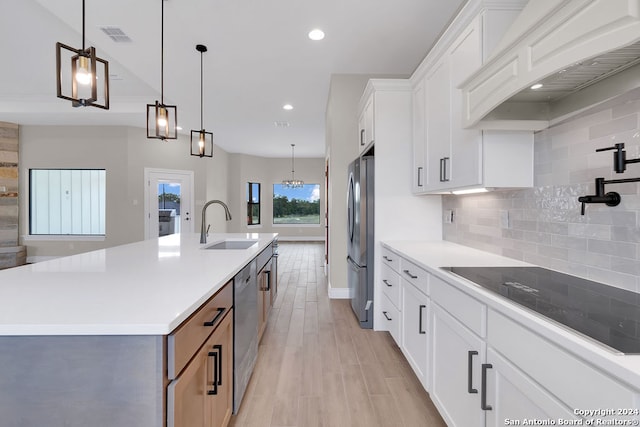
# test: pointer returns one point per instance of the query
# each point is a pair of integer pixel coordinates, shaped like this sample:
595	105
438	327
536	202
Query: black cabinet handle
213	321
445	175
483	396
218	347
215	374
386	282
408	273
420	176
385	315
387	258
420	330
268	273
361	136
470	388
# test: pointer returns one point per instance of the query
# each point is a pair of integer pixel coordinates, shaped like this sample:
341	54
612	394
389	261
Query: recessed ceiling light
536	86
316	34
287	107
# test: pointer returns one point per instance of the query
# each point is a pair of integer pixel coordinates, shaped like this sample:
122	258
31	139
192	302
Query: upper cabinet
365	123
448	157
580	52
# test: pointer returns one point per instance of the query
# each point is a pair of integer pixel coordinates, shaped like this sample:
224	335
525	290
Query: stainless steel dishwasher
245	335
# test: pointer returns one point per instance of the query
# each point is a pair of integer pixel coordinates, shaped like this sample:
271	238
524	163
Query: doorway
168	202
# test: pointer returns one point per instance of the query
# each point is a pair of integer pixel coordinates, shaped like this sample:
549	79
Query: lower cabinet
512	395
415	330
457	354
201	396
200	351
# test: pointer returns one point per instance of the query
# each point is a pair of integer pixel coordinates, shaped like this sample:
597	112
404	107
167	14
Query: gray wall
124	153
545	226
268	171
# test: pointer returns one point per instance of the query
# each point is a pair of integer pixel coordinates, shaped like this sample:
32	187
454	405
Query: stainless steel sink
232	244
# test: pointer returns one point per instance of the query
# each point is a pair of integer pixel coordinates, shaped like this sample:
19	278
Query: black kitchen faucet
611	198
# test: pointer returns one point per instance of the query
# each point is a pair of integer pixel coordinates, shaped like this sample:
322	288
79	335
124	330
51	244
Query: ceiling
259	58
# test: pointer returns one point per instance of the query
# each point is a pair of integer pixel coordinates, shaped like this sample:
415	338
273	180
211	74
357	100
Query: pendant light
201	141
84	74
162	119
293	182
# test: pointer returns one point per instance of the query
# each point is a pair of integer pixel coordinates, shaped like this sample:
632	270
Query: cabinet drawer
391	259
391	284
579	386
390	318
416	275
471	312
193	332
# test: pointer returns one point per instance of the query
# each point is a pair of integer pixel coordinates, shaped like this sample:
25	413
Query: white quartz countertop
432	255
143	288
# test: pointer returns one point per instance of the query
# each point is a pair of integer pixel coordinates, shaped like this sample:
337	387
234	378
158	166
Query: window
67	201
253	203
296	205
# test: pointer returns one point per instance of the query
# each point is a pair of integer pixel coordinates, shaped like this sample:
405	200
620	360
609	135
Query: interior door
168	190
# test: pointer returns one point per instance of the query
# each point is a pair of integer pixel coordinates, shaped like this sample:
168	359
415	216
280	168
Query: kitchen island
84	339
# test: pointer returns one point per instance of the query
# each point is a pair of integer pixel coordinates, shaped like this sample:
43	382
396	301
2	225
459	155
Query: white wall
341	149
124	153
268	171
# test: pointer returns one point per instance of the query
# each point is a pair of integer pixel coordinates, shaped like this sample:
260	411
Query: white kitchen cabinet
366	124
415	329
438	124
456	158
457	358
580	386
512	395
418	99
391	319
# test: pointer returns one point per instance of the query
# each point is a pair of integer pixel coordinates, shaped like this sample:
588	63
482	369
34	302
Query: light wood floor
316	367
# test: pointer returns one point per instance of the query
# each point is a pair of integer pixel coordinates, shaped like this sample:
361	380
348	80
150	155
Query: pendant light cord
201	91
82	25
161	54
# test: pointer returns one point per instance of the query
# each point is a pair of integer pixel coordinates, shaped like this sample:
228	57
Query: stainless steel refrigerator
360	241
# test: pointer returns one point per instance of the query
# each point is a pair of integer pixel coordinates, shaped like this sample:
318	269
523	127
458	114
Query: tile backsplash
543	225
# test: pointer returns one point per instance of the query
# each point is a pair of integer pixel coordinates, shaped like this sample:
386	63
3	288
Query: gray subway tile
614	126
618	249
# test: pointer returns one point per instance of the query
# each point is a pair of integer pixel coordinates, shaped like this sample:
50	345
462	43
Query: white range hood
583	52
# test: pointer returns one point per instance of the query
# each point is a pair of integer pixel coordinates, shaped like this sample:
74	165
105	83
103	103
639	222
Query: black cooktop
605	313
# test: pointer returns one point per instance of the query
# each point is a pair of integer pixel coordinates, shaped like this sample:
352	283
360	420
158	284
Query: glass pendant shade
162	119
78	74
201	143
201	140
293	182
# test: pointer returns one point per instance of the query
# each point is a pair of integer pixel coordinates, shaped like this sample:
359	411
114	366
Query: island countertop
142	288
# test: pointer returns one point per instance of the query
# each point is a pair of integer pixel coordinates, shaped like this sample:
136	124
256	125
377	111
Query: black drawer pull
470	388
420	330
213	321
385	315
386	282
387	258
483	396
408	273
268	273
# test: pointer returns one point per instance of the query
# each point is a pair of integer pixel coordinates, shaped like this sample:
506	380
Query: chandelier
293	182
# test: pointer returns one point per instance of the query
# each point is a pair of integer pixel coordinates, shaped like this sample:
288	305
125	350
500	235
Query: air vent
281	124
116	34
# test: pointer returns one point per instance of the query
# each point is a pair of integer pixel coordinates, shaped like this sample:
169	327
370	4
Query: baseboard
339	293
34	259
282	238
